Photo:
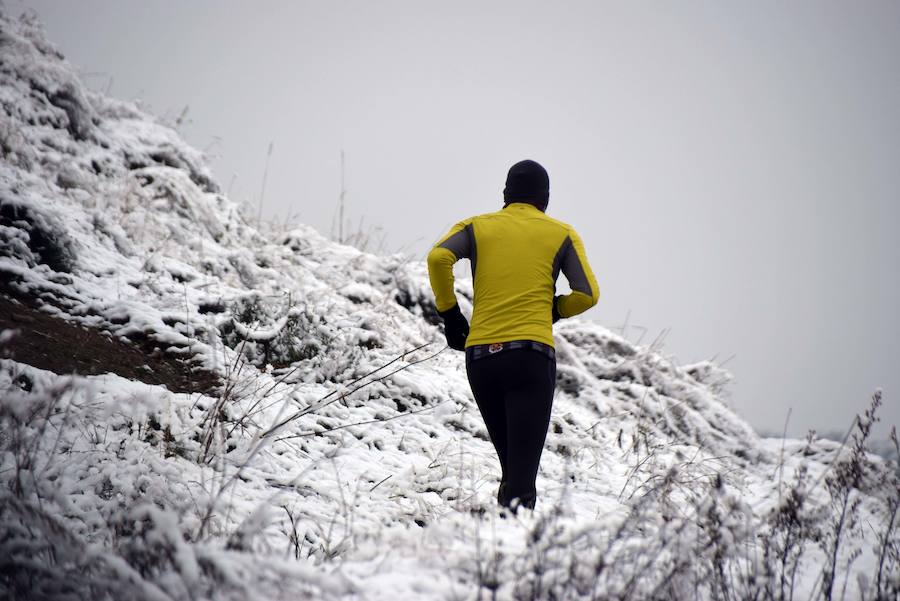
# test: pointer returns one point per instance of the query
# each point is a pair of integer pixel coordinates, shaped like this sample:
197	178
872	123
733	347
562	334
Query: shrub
34	236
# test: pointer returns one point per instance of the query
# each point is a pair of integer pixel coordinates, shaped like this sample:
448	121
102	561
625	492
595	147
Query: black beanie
527	182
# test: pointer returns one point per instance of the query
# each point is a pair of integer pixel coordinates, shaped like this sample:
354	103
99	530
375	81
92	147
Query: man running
516	255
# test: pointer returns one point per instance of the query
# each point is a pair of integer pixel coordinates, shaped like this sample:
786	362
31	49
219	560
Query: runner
516	255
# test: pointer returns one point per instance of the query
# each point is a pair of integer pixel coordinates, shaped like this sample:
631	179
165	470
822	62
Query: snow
342	456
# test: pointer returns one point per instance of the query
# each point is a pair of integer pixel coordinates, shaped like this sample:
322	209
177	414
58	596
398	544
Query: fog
731	167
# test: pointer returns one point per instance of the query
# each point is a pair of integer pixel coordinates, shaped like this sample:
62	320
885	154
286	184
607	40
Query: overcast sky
733	168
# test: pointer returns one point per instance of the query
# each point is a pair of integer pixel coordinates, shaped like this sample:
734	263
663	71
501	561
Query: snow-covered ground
338	452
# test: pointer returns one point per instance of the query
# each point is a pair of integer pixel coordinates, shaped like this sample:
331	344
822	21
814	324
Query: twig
262	192
320	404
781	453
381	482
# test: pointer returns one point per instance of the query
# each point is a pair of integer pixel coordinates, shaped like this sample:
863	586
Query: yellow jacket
516	255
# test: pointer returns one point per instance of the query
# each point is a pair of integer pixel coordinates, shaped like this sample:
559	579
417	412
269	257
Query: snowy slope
326	443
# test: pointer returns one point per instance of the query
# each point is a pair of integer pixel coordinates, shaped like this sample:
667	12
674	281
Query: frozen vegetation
272	415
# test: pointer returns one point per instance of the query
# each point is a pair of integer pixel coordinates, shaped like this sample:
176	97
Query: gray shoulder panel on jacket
573	269
558	258
459	243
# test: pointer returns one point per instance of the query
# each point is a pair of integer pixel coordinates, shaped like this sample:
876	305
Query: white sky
731	167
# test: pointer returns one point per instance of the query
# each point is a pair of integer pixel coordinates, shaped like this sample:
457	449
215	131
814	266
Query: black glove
556	315
456	328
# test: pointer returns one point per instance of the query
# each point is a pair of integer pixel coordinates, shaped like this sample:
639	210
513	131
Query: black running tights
514	392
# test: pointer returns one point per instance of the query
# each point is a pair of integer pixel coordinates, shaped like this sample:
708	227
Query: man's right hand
456	328
556	315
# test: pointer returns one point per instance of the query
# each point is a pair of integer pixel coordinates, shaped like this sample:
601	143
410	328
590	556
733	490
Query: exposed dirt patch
50	343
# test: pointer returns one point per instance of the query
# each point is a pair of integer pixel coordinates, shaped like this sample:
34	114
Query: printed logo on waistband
496	347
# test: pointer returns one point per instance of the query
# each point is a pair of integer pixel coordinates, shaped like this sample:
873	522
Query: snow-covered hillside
272	415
